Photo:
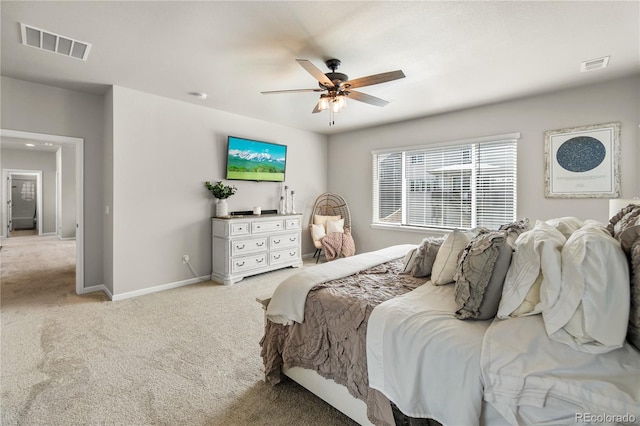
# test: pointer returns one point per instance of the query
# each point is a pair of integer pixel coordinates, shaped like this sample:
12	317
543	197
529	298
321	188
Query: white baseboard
47	234
67	238
155	289
94	288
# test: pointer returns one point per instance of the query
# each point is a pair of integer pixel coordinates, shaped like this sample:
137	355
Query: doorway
70	195
23	201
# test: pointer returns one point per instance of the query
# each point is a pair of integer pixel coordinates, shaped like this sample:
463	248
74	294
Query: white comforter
523	368
424	359
289	298
434	365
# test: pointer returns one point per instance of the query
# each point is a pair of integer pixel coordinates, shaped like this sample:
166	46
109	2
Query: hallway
36	269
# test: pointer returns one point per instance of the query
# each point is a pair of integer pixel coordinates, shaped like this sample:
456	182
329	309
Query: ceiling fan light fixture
337	85
338	102
324	103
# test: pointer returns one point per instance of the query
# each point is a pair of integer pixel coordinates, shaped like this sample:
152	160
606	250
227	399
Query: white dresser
249	245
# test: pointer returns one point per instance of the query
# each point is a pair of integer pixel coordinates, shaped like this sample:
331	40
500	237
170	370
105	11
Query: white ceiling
454	54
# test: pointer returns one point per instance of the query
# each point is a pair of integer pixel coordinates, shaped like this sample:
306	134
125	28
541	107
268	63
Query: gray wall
163	152
68	192
37	160
39	108
350	153
107	175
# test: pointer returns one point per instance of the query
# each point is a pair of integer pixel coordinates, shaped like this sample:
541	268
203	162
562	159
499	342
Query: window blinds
453	186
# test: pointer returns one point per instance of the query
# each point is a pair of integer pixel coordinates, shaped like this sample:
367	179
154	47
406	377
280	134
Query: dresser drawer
248	246
282	256
267	226
240	228
248	262
285	240
292	223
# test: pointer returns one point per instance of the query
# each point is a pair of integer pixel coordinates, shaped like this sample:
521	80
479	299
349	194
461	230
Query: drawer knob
276	256
239	264
240	247
276	241
260	244
292	239
292	254
259	260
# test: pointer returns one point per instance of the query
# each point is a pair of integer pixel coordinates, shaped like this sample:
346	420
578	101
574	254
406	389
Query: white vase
222	208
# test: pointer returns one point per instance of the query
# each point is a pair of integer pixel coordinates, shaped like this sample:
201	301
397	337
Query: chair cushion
317	232
335	226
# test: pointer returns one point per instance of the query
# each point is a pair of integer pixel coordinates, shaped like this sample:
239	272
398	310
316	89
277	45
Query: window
455	185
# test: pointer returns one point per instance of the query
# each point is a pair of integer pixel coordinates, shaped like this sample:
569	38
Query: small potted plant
221	192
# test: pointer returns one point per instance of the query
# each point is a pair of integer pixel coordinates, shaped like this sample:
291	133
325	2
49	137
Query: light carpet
186	356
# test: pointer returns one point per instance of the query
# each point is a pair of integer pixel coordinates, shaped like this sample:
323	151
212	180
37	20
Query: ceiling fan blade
315	72
375	79
272	92
367	99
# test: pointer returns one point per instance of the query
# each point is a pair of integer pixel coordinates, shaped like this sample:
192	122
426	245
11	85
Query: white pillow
446	263
531	304
322	220
566	225
589	308
335	226
537	253
317	232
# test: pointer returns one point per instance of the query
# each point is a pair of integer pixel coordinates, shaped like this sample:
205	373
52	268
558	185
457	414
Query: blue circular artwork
581	154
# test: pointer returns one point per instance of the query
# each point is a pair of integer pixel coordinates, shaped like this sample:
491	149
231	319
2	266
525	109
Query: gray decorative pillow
409	261
426	256
633	332
622	219
629	235
480	276
514	229
627	231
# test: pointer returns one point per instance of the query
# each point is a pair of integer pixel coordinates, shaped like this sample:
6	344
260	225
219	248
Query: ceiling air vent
594	64
55	43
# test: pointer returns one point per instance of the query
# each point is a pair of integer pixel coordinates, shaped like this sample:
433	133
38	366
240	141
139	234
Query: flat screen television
249	159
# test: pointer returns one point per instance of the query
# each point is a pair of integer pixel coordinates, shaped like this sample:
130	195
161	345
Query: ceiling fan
338	87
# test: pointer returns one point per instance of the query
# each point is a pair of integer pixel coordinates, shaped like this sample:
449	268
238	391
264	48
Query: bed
385	347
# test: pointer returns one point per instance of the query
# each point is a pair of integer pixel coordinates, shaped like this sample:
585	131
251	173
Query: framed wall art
583	162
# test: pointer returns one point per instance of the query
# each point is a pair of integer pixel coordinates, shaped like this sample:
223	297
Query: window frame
406	185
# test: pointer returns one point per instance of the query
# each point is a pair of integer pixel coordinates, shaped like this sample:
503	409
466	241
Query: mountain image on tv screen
254	160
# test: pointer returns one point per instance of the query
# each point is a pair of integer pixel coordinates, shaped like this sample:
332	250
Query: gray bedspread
332	338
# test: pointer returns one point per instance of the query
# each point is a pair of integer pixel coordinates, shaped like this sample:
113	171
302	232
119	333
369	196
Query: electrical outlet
185	258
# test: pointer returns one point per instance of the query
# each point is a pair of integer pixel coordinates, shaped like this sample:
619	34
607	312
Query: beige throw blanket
338	244
289	298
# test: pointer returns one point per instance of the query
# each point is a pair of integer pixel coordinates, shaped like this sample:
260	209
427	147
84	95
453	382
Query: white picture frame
583	162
